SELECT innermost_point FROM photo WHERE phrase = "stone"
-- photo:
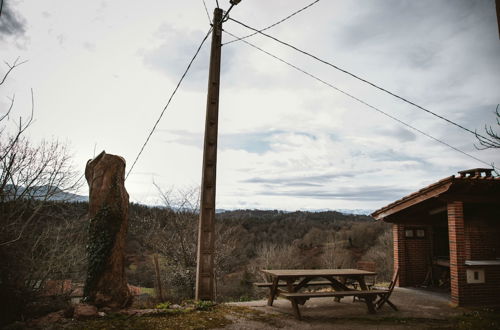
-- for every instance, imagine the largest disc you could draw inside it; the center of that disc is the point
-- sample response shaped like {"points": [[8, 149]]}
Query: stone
{"points": [[106, 284], [84, 311], [48, 319]]}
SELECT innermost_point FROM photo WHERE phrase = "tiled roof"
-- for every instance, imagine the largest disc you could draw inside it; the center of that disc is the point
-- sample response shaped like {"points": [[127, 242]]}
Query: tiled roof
{"points": [[473, 175]]}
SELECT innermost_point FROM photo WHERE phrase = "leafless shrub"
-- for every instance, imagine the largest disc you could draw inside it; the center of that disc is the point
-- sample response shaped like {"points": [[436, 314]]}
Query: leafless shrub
{"points": [[37, 241], [335, 252], [382, 254]]}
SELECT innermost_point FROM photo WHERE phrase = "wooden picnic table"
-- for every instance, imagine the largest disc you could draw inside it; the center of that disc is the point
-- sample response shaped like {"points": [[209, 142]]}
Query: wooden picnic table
{"points": [[297, 279]]}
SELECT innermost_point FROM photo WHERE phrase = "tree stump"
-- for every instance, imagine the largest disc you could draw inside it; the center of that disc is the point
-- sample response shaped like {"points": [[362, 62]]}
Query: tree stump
{"points": [[106, 284]]}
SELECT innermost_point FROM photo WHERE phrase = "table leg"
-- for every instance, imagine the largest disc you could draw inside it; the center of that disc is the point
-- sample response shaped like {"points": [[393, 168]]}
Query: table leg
{"points": [[273, 290], [296, 310], [368, 299], [294, 301], [369, 304], [361, 281]]}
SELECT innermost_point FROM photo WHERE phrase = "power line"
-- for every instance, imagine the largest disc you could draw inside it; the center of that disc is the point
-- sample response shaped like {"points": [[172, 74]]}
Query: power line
{"points": [[361, 101], [206, 10], [273, 25], [169, 100], [361, 79]]}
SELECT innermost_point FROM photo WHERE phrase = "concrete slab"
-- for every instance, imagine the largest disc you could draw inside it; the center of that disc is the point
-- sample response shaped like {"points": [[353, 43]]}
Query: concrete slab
{"points": [[323, 313]]}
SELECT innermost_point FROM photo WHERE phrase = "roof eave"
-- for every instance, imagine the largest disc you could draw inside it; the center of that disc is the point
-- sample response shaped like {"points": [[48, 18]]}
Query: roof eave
{"points": [[424, 194]]}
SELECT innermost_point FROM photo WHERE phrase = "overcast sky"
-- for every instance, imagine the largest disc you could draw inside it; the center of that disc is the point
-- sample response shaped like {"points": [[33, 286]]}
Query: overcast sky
{"points": [[102, 71]]}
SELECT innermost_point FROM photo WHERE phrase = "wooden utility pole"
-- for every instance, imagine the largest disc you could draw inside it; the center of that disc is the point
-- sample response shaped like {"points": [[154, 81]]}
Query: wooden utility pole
{"points": [[206, 226], [497, 5]]}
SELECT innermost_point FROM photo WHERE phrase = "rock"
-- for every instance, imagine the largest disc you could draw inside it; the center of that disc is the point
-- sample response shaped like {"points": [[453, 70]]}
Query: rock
{"points": [[142, 312], [48, 319], [84, 311], [106, 284], [69, 312], [105, 310]]}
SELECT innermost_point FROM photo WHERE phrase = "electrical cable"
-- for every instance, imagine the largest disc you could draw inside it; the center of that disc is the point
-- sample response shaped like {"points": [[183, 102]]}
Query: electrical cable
{"points": [[169, 100], [362, 79], [206, 10], [361, 101], [273, 25]]}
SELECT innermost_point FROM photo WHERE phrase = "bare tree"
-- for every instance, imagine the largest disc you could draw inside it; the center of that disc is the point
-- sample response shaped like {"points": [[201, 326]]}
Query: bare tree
{"points": [[274, 256], [381, 254], [29, 173], [335, 254], [173, 236], [493, 139], [38, 240]]}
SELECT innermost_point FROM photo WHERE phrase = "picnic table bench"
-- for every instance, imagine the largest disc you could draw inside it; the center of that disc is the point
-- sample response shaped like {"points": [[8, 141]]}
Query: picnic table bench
{"points": [[296, 279]]}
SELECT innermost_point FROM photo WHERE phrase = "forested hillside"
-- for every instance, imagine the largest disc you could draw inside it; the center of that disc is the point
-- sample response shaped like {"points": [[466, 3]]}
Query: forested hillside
{"points": [[52, 246]]}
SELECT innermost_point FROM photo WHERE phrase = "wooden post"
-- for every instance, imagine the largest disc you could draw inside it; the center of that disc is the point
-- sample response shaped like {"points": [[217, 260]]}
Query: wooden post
{"points": [[159, 294], [497, 4], [206, 225]]}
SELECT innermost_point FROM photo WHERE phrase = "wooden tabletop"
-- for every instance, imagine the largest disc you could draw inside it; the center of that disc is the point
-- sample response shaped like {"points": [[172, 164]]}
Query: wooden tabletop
{"points": [[316, 272]]}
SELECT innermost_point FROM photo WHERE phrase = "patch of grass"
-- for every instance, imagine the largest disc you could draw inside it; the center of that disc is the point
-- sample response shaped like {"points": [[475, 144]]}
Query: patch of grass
{"points": [[192, 319], [149, 291], [255, 315], [483, 319], [203, 305], [163, 305]]}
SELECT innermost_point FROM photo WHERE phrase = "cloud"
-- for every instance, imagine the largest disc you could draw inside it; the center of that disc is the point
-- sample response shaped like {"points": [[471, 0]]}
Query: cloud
{"points": [[177, 48], [402, 134], [252, 142], [304, 180], [367, 193], [90, 46], [11, 24]]}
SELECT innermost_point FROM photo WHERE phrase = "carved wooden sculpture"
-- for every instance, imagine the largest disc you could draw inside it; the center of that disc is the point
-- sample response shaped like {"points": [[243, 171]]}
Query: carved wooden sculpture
{"points": [[106, 284]]}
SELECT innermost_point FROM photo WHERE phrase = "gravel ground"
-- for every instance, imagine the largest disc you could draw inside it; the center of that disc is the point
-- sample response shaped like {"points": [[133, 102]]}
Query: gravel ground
{"points": [[417, 310]]}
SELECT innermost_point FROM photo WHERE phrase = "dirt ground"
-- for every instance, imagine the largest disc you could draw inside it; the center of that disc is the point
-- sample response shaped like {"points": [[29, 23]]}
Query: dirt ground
{"points": [[417, 310]]}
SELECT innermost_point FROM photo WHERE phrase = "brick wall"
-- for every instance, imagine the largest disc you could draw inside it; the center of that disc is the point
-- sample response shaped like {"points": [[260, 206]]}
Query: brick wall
{"points": [[411, 254], [456, 232], [399, 253], [482, 239], [473, 238], [487, 293]]}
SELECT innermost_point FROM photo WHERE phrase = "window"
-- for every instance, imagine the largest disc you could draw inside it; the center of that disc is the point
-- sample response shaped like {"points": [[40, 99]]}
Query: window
{"points": [[409, 233], [415, 233]]}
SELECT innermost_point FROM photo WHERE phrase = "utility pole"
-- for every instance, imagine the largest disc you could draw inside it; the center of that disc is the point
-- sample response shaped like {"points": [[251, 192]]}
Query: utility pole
{"points": [[497, 5], [206, 225]]}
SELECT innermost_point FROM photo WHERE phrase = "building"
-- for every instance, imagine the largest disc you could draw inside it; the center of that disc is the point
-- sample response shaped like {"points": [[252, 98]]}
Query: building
{"points": [[448, 234]]}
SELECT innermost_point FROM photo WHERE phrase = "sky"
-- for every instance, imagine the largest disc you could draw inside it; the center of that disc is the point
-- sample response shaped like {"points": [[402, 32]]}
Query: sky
{"points": [[102, 71]]}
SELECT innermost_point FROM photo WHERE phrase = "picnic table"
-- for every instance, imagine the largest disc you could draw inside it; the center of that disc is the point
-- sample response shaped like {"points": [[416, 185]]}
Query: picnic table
{"points": [[296, 279]]}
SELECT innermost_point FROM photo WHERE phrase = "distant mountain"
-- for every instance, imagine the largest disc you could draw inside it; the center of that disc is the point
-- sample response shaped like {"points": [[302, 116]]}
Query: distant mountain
{"points": [[343, 211], [41, 192], [355, 211]]}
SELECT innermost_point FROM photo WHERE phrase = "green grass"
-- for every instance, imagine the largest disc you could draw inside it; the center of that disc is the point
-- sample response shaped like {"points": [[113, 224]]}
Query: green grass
{"points": [[481, 319], [150, 291]]}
